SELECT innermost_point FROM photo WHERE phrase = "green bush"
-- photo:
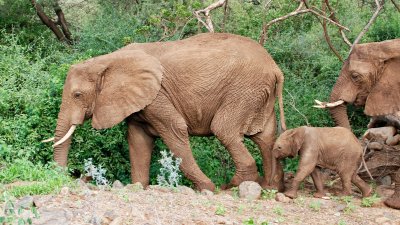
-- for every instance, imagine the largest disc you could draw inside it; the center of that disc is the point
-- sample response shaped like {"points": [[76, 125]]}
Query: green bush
{"points": [[33, 66]]}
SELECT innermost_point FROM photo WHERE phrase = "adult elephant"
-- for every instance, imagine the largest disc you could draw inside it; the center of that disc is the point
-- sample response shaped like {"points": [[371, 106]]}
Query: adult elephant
{"points": [[220, 84], [370, 77]]}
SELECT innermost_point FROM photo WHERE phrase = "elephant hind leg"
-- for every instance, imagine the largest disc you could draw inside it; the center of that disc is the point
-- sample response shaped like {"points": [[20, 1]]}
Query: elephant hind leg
{"points": [[230, 136], [365, 189], [140, 149], [265, 141]]}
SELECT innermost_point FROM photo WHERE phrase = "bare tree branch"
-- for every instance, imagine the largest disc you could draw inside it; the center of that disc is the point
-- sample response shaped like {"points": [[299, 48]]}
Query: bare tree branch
{"points": [[298, 11], [333, 17], [395, 5], [206, 13], [379, 7], [225, 16], [63, 35], [326, 34]]}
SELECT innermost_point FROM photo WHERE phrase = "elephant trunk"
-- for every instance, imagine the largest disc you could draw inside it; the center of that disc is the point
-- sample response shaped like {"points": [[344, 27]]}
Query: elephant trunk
{"points": [[66, 124], [339, 113], [273, 171]]}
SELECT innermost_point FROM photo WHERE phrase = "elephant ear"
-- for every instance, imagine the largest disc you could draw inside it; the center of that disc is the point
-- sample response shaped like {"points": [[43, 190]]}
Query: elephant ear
{"points": [[297, 140], [130, 82], [384, 97], [383, 50]]}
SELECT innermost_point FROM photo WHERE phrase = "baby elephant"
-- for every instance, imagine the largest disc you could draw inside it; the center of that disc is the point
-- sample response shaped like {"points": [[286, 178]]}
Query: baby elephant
{"points": [[334, 148]]}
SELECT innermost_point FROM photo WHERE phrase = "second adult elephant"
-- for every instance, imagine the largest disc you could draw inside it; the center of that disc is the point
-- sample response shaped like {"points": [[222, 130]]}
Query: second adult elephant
{"points": [[219, 84]]}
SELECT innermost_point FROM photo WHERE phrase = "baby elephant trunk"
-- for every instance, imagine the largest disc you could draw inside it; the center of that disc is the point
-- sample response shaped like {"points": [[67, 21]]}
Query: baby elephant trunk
{"points": [[273, 171]]}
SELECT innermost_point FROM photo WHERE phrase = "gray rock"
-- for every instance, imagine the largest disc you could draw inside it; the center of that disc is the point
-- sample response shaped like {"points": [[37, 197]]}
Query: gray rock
{"points": [[134, 187], [381, 220], [25, 203], [207, 192], [250, 190], [53, 216], [375, 146], [186, 190], [386, 180], [340, 208], [380, 133], [393, 140], [64, 191], [117, 184], [92, 187], [95, 220], [280, 197]]}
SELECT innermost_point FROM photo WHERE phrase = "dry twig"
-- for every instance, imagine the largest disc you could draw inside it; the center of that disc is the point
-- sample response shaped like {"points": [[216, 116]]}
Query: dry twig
{"points": [[379, 7], [298, 11], [206, 13], [293, 104], [395, 5]]}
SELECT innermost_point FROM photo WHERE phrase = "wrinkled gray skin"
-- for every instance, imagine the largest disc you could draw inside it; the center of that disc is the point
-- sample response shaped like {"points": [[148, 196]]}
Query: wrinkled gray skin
{"points": [[209, 84], [334, 148]]}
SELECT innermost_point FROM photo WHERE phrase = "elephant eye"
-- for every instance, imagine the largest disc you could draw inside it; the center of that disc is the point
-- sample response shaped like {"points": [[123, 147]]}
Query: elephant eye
{"points": [[279, 147], [77, 94], [355, 76]]}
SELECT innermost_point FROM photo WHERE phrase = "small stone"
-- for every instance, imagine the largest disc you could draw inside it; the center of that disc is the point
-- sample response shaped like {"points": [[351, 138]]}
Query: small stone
{"points": [[108, 217], [375, 146], [207, 192], [53, 216], [159, 188], [340, 208], [104, 187], [117, 184], [117, 221], [81, 184], [64, 191], [386, 180], [250, 190], [381, 220], [336, 214], [95, 220], [134, 187], [380, 133], [280, 197], [92, 187], [40, 201], [393, 140], [186, 190], [25, 202]]}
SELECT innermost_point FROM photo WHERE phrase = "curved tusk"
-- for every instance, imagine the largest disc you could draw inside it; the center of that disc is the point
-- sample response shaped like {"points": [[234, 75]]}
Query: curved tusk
{"points": [[69, 133], [48, 140], [322, 105]]}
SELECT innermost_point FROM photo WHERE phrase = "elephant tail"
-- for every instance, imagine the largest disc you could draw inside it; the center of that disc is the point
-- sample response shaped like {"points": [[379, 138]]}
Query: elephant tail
{"points": [[279, 90]]}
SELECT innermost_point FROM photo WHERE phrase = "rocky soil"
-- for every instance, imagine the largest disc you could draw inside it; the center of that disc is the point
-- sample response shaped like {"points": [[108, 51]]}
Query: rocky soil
{"points": [[88, 204]]}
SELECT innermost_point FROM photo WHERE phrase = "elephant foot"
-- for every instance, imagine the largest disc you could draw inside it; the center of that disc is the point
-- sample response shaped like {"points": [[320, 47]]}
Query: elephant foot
{"points": [[206, 185], [291, 194], [319, 194], [393, 201], [277, 185], [367, 192], [238, 178]]}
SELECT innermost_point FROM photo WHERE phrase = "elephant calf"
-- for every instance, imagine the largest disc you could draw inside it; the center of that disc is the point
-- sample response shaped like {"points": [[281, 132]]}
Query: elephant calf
{"points": [[334, 148]]}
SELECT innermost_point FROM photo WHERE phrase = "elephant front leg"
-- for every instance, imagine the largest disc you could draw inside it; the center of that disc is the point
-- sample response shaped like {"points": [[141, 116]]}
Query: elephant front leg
{"points": [[140, 149], [394, 200], [306, 167]]}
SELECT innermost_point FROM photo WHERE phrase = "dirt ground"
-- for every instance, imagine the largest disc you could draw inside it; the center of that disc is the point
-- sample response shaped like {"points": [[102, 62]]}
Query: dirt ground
{"points": [[158, 205]]}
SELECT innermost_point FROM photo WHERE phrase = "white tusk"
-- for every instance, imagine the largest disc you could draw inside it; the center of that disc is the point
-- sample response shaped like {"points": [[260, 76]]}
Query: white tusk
{"points": [[48, 140], [322, 105], [69, 133]]}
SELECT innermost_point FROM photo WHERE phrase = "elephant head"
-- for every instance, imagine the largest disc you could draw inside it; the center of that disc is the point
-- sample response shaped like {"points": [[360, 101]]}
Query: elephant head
{"points": [[107, 89], [370, 76], [287, 145]]}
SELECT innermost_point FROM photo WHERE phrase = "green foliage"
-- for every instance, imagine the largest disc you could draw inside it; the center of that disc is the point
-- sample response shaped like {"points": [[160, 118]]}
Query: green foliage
{"points": [[33, 67], [32, 179], [220, 211], [13, 215], [370, 201], [315, 206], [268, 194]]}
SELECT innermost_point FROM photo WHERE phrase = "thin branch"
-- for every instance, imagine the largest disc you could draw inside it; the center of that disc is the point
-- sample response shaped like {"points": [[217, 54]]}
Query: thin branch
{"points": [[293, 104], [225, 16], [379, 7], [333, 17], [395, 5], [298, 11], [206, 13]]}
